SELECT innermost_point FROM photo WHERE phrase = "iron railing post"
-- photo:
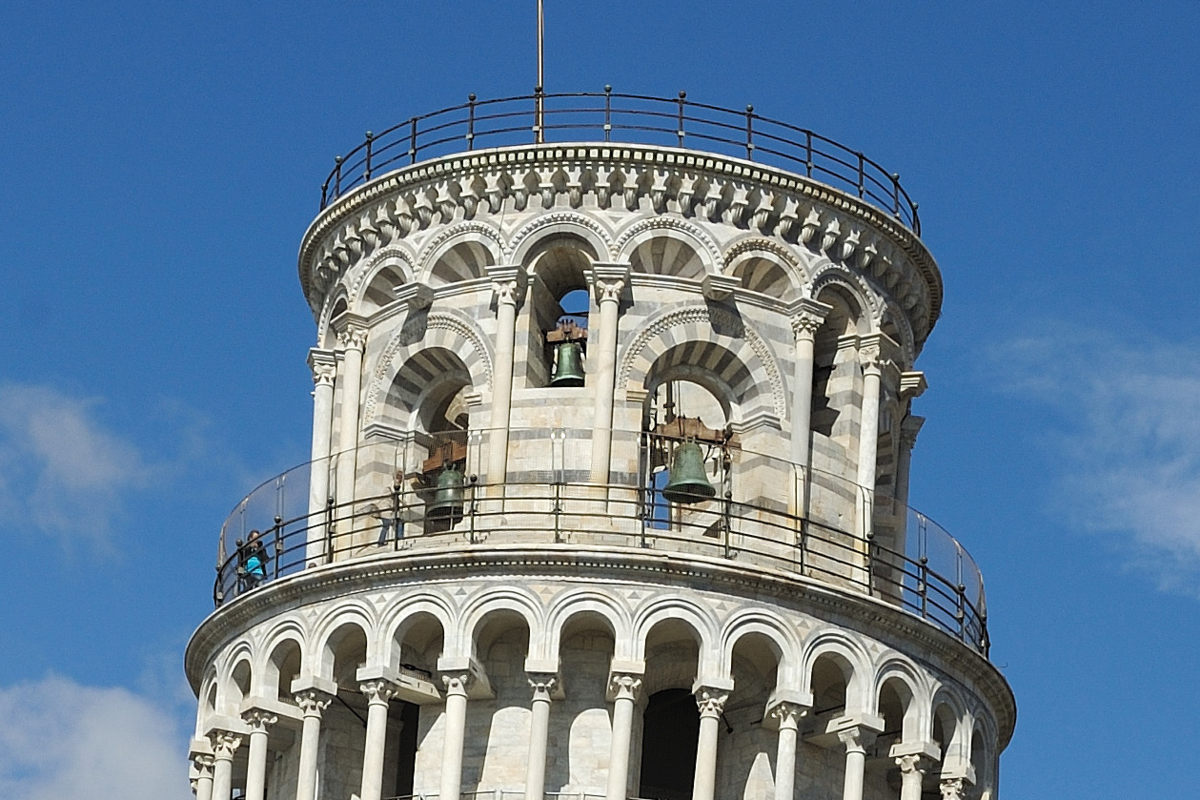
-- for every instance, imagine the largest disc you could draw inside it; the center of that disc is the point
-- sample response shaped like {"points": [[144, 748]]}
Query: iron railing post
{"points": [[412, 140], [367, 171], [471, 121], [679, 129], [750, 133], [337, 182], [277, 545], [923, 585], [607, 112], [896, 194], [329, 531], [861, 185], [539, 134], [808, 155]]}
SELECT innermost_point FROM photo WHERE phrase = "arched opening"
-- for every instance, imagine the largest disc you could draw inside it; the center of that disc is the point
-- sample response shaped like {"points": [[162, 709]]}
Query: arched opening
{"points": [[670, 720], [747, 769], [416, 647], [463, 262], [830, 682], [580, 728], [381, 291], [979, 766], [239, 687], [556, 326], [760, 274], [835, 367], [945, 728], [344, 720], [666, 255], [282, 668], [670, 730], [501, 644]]}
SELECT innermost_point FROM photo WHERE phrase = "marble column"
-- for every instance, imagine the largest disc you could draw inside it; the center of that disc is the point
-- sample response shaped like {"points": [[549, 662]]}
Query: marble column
{"points": [[224, 745], [788, 716], [379, 693], [204, 776], [856, 739], [608, 281], [353, 339], [912, 775], [324, 369], [508, 284], [256, 763], [312, 703], [711, 702], [624, 690], [951, 788], [806, 321], [455, 731], [539, 733]]}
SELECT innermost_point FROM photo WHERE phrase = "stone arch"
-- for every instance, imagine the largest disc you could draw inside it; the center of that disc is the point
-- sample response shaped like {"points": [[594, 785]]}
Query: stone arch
{"points": [[336, 302], [378, 276], [766, 267], [774, 628], [459, 252], [587, 601], [828, 274], [448, 331], [328, 635], [241, 682], [488, 602], [560, 223], [895, 324], [751, 372], [948, 713], [278, 662], [853, 657], [208, 705], [399, 617], [229, 692], [666, 239], [914, 696], [695, 616]]}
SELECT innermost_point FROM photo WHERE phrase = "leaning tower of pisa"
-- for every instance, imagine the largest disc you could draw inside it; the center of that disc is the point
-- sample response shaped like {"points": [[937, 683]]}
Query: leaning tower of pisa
{"points": [[612, 426]]}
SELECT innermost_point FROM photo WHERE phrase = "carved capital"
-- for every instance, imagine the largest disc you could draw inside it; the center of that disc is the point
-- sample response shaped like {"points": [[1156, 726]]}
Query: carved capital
{"points": [[508, 283], [457, 683], [711, 701], [608, 281], [352, 337], [224, 744], [324, 366], [805, 325], [624, 686], [313, 702], [856, 738], [378, 691], [259, 719], [951, 788], [870, 359], [914, 762], [204, 765], [786, 714], [542, 684]]}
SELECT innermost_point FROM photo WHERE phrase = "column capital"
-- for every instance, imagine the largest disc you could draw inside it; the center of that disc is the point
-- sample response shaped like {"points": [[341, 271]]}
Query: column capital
{"points": [[608, 280], [912, 384], [259, 719], [785, 714], [951, 788], [914, 762], [458, 683], [806, 316], [378, 690], [313, 702], [508, 283], [624, 686], [204, 763], [224, 744], [857, 738], [352, 336], [711, 700], [323, 364], [543, 684]]}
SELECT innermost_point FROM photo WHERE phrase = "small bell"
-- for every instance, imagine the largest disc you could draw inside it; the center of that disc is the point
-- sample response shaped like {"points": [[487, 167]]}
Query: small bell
{"points": [[687, 481], [448, 497], [568, 367]]}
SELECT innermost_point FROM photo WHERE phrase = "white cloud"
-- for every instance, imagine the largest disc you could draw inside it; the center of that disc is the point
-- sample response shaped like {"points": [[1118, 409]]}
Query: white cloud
{"points": [[61, 471], [1130, 439], [62, 740]]}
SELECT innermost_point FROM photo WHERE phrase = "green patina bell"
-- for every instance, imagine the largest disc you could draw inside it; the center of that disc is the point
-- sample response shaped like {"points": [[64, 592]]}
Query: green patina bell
{"points": [[568, 367], [688, 481], [448, 497]]}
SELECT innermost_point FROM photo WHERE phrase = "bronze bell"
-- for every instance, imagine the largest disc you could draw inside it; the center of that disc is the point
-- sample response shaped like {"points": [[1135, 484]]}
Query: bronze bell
{"points": [[687, 481], [568, 367], [448, 497]]}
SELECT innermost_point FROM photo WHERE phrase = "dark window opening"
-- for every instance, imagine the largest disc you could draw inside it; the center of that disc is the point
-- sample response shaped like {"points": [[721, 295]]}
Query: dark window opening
{"points": [[671, 728]]}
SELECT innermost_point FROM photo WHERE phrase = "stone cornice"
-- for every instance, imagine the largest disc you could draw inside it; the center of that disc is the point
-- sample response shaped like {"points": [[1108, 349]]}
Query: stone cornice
{"points": [[878, 619], [787, 205]]}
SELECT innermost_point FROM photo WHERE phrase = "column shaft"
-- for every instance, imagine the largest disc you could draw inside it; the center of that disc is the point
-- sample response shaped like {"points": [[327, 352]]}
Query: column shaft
{"points": [[204, 778], [502, 376], [324, 369], [711, 703], [456, 726], [802, 393], [224, 745], [785, 759], [868, 446], [353, 340], [539, 732], [312, 703], [256, 762], [856, 740], [604, 356], [626, 688], [378, 693]]}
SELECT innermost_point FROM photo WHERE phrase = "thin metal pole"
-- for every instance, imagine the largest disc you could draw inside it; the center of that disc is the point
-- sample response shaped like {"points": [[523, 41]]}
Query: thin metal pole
{"points": [[541, 36]]}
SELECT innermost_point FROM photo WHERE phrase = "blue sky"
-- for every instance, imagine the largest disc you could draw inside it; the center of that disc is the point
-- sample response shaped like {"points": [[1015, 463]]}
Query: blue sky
{"points": [[160, 161]]}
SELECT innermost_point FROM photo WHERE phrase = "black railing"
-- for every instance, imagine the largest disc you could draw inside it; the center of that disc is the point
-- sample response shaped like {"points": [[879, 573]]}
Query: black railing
{"points": [[626, 118], [555, 512]]}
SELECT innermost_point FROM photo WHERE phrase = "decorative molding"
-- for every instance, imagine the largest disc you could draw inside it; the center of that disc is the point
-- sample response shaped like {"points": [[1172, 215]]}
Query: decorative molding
{"points": [[691, 231], [527, 232]]}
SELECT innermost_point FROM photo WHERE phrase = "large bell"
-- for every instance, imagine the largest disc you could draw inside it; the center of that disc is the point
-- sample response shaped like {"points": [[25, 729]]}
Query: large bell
{"points": [[568, 367], [687, 481], [448, 497]]}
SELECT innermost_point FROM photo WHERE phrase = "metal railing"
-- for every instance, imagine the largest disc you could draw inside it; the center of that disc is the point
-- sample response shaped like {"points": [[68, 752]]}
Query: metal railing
{"points": [[626, 118], [901, 557]]}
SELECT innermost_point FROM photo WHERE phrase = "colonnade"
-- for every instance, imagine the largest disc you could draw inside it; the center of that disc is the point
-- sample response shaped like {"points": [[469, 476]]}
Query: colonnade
{"points": [[213, 773]]}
